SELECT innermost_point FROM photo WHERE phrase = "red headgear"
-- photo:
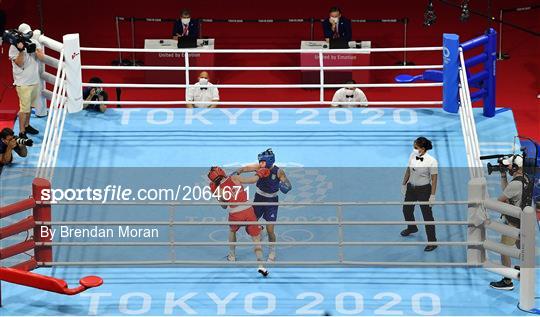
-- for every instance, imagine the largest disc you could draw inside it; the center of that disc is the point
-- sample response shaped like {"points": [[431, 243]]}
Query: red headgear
{"points": [[215, 172]]}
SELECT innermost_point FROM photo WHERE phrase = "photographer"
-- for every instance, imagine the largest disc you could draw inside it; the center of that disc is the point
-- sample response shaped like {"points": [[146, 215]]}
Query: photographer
{"points": [[8, 144], [95, 94], [25, 55], [514, 193]]}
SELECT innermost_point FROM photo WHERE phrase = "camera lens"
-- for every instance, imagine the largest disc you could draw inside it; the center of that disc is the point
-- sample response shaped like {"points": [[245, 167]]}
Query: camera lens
{"points": [[23, 141], [31, 48]]}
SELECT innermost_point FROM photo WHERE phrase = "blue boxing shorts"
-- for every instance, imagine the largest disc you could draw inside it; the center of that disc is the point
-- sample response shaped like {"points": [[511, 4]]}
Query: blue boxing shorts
{"points": [[269, 213]]}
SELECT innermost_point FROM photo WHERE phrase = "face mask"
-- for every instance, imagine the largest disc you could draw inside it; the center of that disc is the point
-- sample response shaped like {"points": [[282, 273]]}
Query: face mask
{"points": [[416, 152], [203, 81], [185, 20], [334, 19]]}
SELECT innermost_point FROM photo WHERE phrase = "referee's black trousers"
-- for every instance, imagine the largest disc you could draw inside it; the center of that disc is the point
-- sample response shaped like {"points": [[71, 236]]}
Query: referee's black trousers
{"points": [[419, 193]]}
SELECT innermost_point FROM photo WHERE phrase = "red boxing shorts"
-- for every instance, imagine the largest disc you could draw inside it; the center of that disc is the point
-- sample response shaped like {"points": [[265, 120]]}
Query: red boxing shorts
{"points": [[245, 215]]}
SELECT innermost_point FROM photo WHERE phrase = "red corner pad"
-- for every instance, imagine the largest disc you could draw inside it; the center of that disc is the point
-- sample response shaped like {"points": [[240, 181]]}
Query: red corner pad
{"points": [[47, 283]]}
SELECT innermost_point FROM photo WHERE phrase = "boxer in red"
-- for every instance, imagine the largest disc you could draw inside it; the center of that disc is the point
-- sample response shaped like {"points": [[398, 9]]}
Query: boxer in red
{"points": [[230, 189]]}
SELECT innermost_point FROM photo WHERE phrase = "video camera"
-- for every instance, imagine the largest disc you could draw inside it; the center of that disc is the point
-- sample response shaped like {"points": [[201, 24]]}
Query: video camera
{"points": [[15, 37], [528, 163], [499, 167]]}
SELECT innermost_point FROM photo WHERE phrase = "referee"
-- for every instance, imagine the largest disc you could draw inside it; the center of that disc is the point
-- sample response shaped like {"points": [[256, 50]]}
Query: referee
{"points": [[420, 184]]}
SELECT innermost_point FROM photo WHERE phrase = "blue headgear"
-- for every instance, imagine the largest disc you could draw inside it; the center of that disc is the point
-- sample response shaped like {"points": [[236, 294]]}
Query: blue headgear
{"points": [[267, 156]]}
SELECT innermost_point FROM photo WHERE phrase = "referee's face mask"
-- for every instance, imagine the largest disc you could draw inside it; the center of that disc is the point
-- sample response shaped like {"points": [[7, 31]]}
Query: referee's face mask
{"points": [[203, 78], [418, 150]]}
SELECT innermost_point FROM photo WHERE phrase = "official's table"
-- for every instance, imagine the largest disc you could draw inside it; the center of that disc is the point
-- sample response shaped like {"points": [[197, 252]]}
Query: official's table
{"points": [[175, 59], [334, 59]]}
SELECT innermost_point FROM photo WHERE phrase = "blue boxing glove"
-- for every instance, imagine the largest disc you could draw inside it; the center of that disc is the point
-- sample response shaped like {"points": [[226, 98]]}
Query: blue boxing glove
{"points": [[285, 187]]}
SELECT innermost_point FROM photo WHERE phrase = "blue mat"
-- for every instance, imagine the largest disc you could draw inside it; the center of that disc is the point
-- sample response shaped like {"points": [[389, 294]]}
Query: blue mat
{"points": [[329, 155]]}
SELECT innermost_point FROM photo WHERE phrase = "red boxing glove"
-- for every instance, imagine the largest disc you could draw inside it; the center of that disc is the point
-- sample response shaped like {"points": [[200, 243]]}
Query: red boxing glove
{"points": [[213, 187], [263, 172]]}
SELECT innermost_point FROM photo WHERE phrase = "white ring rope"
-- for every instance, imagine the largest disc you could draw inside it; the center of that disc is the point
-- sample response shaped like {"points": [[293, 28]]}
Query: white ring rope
{"points": [[264, 51], [59, 80], [251, 263], [264, 103], [387, 85], [470, 124], [242, 223], [321, 68], [225, 243], [246, 68], [284, 203]]}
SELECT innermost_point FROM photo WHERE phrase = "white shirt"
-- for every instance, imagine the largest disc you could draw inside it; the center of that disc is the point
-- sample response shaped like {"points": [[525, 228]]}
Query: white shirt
{"points": [[513, 191], [421, 170], [28, 74], [197, 92], [346, 95]]}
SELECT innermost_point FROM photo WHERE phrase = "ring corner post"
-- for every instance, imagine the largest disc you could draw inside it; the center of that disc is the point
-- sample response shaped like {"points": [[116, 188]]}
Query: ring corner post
{"points": [[450, 72], [527, 277], [476, 233], [41, 212], [73, 69], [490, 49]]}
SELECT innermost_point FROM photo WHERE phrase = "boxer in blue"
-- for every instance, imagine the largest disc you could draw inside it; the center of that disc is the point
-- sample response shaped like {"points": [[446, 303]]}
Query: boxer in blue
{"points": [[267, 191]]}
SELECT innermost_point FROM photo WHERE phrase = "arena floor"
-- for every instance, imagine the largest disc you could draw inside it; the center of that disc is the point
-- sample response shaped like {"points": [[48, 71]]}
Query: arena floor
{"points": [[329, 154]]}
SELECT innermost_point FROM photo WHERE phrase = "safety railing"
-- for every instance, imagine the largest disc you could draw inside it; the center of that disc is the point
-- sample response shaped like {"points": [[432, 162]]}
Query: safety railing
{"points": [[19, 273], [40, 212]]}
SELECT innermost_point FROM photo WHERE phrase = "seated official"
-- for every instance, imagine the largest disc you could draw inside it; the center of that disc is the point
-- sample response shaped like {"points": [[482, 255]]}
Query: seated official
{"points": [[186, 26], [349, 94], [337, 26], [203, 90], [9, 144], [95, 94]]}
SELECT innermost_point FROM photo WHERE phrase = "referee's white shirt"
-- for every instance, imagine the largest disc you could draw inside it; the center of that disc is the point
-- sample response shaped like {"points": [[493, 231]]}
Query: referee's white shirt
{"points": [[198, 92], [346, 95], [421, 170]]}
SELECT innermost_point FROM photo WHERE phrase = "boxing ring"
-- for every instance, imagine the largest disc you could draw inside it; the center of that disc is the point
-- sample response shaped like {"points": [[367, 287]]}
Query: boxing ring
{"points": [[337, 209]]}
